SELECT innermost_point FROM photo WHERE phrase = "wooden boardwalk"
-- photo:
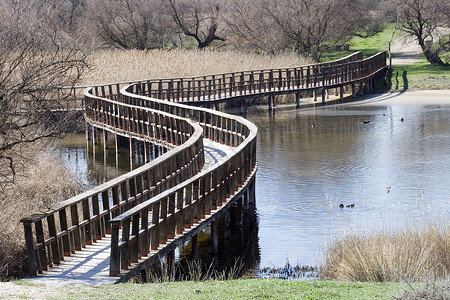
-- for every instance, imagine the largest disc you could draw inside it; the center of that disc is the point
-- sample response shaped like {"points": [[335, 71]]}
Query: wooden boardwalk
{"points": [[206, 163], [91, 265]]}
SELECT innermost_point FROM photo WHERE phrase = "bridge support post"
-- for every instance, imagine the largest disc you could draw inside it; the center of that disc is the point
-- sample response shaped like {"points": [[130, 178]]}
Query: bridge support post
{"points": [[88, 137], [324, 91], [298, 96], [239, 213], [194, 242], [226, 225], [341, 97], [131, 153], [214, 237], [170, 261], [353, 90], [252, 192], [361, 88], [243, 107], [94, 141], [271, 102], [146, 156], [116, 143], [315, 95], [105, 139]]}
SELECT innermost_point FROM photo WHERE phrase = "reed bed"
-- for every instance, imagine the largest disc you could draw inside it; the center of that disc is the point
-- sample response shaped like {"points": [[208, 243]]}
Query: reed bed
{"points": [[409, 255], [109, 66], [43, 181]]}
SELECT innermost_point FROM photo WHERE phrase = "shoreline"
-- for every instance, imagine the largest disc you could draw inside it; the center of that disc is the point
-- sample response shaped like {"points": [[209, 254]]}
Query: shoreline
{"points": [[409, 97]]}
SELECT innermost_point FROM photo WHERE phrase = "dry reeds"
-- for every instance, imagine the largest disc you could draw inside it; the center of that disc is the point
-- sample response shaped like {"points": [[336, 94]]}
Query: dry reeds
{"points": [[109, 66], [43, 181], [410, 255]]}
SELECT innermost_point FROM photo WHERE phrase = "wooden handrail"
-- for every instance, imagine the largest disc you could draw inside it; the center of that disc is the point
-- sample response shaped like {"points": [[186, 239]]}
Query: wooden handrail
{"points": [[88, 214]]}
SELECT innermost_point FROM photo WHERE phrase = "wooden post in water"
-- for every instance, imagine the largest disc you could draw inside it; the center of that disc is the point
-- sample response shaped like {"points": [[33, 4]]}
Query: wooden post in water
{"points": [[194, 242], [116, 143], [239, 212], [170, 260], [146, 156], [214, 237], [105, 139], [298, 95], [271, 102], [131, 153], [94, 142], [88, 137], [243, 107]]}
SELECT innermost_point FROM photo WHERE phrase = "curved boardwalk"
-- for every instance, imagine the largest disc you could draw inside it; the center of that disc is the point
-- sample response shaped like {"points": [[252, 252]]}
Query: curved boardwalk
{"points": [[207, 163]]}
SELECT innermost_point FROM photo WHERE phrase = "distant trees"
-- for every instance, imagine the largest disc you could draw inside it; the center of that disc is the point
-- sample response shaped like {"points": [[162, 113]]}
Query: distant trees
{"points": [[130, 24], [310, 27], [36, 61], [428, 21], [198, 19]]}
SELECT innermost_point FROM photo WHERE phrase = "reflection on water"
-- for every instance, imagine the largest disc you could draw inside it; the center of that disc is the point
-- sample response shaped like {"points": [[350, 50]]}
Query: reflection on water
{"points": [[390, 161]]}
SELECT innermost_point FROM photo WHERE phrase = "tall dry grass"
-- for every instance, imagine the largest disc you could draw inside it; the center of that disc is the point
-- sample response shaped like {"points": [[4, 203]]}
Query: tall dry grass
{"points": [[109, 66], [43, 181], [410, 255]]}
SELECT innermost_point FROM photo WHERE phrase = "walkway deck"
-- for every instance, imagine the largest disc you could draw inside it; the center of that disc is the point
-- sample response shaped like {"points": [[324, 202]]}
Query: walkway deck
{"points": [[91, 266]]}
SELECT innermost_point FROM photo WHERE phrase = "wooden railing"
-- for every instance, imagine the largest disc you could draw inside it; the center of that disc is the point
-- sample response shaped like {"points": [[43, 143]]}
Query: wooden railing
{"points": [[190, 202], [171, 187], [70, 225], [223, 87]]}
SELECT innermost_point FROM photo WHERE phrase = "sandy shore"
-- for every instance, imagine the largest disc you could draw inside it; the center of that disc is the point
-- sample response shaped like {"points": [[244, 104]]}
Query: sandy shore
{"points": [[409, 97]]}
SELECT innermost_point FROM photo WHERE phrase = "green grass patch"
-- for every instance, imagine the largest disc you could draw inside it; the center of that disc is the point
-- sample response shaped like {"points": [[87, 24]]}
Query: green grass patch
{"points": [[420, 75], [238, 289], [369, 46], [374, 44]]}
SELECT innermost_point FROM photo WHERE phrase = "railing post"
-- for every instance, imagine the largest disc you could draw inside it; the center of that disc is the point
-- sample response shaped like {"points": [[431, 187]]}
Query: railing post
{"points": [[114, 266], [32, 264]]}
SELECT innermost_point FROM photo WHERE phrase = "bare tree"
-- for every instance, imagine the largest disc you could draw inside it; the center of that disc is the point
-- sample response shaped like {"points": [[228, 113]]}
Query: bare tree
{"points": [[310, 27], [251, 27], [130, 24], [198, 19], [427, 21], [35, 63]]}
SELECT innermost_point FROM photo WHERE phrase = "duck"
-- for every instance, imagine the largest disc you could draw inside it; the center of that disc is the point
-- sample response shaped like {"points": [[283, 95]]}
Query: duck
{"points": [[366, 122], [347, 205]]}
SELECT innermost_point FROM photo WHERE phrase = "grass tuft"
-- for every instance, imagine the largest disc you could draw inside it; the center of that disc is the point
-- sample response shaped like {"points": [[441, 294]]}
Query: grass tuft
{"points": [[412, 255]]}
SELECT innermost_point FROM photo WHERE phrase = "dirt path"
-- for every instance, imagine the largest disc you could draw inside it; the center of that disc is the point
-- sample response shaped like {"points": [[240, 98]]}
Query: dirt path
{"points": [[405, 50]]}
